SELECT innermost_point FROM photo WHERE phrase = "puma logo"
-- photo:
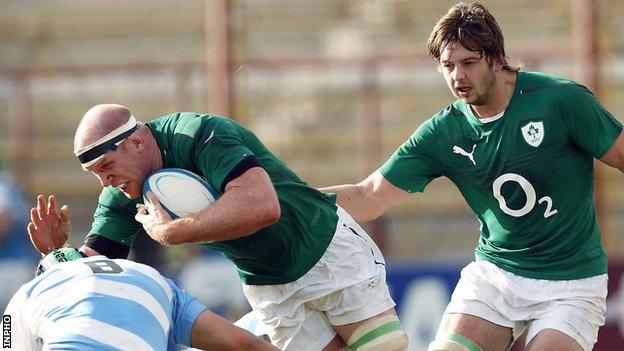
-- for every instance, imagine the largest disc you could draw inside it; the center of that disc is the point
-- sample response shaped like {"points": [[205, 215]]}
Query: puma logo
{"points": [[470, 155]]}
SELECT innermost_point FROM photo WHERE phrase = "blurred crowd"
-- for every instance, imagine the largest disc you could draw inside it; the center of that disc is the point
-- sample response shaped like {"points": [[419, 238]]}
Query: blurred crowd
{"points": [[17, 257]]}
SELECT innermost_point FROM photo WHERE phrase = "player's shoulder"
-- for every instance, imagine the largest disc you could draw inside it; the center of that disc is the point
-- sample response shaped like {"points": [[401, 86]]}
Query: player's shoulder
{"points": [[56, 275], [530, 82], [140, 271], [19, 300], [438, 125], [189, 123], [450, 115], [128, 264], [24, 289]]}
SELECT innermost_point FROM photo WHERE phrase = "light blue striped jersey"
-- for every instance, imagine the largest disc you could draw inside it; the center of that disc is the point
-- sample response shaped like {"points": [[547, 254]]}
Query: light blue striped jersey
{"points": [[96, 303]]}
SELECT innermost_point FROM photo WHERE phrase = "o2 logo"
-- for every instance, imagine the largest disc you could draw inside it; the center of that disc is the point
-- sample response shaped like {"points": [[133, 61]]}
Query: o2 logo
{"points": [[529, 191]]}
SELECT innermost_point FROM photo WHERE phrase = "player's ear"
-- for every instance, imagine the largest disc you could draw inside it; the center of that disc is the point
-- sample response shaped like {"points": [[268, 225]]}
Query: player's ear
{"points": [[498, 64], [136, 141]]}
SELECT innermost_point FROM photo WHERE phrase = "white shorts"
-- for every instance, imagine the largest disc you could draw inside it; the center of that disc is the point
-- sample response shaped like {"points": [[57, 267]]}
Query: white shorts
{"points": [[574, 307], [347, 285]]}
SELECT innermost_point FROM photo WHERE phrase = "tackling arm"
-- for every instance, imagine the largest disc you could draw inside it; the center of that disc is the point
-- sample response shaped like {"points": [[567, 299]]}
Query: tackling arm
{"points": [[368, 199], [197, 326], [212, 332]]}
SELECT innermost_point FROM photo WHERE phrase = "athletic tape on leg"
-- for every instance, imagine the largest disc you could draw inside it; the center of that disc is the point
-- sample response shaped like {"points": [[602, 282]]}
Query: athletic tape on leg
{"points": [[382, 333], [453, 342]]}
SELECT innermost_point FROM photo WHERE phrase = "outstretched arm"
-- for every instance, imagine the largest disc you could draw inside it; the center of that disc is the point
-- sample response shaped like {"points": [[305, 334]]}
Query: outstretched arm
{"points": [[212, 332], [369, 198]]}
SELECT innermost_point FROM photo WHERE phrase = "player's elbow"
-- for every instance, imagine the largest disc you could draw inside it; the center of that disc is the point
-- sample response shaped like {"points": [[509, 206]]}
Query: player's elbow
{"points": [[269, 213]]}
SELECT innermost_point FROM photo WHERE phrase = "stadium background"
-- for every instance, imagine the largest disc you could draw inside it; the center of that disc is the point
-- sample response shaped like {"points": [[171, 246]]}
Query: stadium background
{"points": [[331, 86]]}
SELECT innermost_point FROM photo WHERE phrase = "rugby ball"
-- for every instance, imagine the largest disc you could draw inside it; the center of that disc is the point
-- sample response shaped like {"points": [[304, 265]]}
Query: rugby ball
{"points": [[180, 192]]}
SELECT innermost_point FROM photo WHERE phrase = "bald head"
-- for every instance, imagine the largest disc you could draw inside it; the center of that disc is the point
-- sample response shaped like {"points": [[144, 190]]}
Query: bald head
{"points": [[98, 122]]}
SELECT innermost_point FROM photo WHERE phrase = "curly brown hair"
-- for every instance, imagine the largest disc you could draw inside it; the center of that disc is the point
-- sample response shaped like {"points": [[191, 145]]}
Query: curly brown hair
{"points": [[474, 27]]}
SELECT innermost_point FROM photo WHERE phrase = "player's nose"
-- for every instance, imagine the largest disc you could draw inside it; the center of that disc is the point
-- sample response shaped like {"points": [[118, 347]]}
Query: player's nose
{"points": [[457, 74], [105, 179]]}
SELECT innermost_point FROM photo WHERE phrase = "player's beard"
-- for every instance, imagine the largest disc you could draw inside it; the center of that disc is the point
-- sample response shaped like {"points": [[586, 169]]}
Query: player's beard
{"points": [[489, 81]]}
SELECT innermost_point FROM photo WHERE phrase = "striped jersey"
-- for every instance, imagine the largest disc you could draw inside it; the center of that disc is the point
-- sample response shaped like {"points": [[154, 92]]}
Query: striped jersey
{"points": [[96, 303]]}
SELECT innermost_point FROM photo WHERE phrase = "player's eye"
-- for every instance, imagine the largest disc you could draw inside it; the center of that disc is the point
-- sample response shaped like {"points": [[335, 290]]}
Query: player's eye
{"points": [[106, 166]]}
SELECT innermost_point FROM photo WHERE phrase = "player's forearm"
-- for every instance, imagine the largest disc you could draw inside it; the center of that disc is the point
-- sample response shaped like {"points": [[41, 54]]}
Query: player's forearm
{"points": [[248, 204], [212, 332], [353, 200], [244, 341], [229, 218], [256, 344]]}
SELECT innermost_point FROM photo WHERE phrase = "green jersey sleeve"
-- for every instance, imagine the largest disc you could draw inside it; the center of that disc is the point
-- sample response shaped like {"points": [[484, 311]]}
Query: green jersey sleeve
{"points": [[220, 154], [588, 123], [413, 165], [114, 220]]}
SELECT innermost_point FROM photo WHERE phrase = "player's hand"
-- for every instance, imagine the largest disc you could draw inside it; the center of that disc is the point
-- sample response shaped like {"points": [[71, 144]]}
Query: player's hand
{"points": [[48, 227], [154, 219]]}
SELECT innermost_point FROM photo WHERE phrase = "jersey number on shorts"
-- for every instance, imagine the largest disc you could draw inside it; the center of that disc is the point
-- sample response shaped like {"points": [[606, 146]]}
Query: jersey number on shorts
{"points": [[104, 266], [529, 191]]}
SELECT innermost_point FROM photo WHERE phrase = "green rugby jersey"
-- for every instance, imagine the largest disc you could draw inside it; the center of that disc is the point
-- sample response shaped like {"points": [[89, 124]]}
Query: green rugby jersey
{"points": [[214, 147], [528, 176]]}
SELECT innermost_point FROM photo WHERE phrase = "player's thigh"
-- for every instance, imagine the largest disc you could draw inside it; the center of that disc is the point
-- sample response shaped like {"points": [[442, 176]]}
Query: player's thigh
{"points": [[489, 336], [307, 329], [553, 340], [347, 285], [354, 285], [576, 314], [364, 307]]}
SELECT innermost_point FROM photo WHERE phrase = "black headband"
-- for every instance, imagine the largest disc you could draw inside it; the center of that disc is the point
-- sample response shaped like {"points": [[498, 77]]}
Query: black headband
{"points": [[101, 149]]}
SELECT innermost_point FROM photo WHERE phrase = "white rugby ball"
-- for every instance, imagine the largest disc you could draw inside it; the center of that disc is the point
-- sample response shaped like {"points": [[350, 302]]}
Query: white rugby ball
{"points": [[180, 192]]}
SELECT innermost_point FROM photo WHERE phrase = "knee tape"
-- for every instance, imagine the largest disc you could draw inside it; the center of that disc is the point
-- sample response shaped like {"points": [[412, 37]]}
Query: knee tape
{"points": [[453, 342], [382, 333]]}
